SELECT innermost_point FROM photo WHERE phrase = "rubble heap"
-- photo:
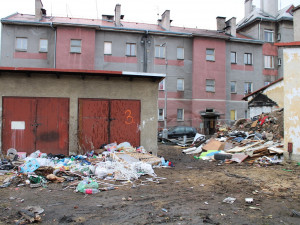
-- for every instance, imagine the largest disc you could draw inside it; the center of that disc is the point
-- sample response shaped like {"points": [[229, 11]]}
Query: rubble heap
{"points": [[253, 141]]}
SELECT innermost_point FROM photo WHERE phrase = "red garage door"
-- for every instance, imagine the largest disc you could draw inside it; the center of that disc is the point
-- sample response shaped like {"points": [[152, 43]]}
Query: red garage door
{"points": [[31, 124], [106, 121]]}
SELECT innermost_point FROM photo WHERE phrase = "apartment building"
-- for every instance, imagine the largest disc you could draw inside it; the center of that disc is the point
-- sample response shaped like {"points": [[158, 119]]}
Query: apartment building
{"points": [[208, 72]]}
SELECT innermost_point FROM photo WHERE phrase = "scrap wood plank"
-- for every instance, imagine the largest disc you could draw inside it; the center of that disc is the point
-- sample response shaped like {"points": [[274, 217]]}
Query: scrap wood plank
{"points": [[241, 149]]}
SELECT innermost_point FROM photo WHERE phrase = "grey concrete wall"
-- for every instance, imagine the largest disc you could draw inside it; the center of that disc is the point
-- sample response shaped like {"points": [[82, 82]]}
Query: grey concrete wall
{"points": [[34, 34], [119, 41], [174, 72], [241, 76], [286, 31], [74, 87]]}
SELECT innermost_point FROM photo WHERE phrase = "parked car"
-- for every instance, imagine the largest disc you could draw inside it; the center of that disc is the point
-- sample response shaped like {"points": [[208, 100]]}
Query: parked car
{"points": [[179, 131]]}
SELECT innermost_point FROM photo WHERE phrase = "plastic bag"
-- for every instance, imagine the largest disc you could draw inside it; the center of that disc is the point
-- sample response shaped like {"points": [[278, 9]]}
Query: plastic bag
{"points": [[111, 147], [87, 184], [123, 145]]}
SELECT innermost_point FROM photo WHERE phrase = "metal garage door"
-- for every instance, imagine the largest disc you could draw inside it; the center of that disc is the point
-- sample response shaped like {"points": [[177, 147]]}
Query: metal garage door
{"points": [[104, 121], [31, 124]]}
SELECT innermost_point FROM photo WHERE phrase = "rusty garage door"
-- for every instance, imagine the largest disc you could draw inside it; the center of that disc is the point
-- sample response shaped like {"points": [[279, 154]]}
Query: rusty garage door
{"points": [[31, 124], [102, 121]]}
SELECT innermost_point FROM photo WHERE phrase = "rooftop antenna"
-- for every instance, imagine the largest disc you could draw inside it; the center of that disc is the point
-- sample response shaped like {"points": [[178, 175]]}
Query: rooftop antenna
{"points": [[51, 8], [280, 4], [67, 9], [97, 8]]}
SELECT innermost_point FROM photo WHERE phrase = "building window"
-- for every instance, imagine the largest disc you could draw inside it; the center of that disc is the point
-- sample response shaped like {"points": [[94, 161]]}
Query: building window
{"points": [[107, 48], [161, 85], [160, 51], [233, 86], [210, 85], [248, 58], [180, 53], [130, 49], [267, 83], [248, 87], [180, 84], [21, 44], [210, 54], [43, 45], [233, 57], [75, 46], [232, 114], [180, 115], [269, 36], [161, 114], [269, 62], [246, 114], [279, 61]]}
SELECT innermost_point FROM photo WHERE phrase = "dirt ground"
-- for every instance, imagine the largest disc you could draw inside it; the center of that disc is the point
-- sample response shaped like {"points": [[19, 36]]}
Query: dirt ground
{"points": [[192, 193]]}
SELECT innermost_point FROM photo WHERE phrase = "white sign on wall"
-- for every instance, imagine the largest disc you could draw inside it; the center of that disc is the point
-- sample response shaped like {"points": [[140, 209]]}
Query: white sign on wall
{"points": [[18, 125]]}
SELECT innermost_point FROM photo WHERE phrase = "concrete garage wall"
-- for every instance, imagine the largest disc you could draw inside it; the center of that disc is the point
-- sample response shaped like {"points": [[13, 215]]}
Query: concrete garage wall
{"points": [[74, 87]]}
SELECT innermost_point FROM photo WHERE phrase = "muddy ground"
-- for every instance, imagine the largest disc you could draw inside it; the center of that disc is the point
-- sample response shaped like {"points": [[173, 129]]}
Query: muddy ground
{"points": [[192, 193]]}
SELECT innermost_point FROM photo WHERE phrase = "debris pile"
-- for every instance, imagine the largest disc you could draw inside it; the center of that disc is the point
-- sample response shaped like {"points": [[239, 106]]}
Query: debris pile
{"points": [[266, 124], [255, 142], [99, 170]]}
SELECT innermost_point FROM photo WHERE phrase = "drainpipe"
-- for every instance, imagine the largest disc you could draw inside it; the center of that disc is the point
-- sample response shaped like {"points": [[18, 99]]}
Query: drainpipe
{"points": [[55, 34], [145, 41], [259, 29]]}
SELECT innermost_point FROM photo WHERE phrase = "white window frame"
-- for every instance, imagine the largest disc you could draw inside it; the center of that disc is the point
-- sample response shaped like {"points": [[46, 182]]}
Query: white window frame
{"points": [[180, 84], [233, 60], [107, 48], [210, 56], [180, 53], [279, 61], [269, 36], [269, 62], [161, 118], [21, 44], [246, 88], [212, 86], [160, 51], [248, 59], [182, 117], [161, 85], [130, 49], [232, 82], [75, 47], [43, 47]]}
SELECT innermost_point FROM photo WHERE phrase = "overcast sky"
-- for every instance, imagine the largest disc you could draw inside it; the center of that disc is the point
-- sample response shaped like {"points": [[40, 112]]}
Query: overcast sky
{"points": [[187, 13]]}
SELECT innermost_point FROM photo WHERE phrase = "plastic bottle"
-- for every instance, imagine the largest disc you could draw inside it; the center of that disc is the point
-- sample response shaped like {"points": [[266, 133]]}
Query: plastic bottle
{"points": [[91, 191]]}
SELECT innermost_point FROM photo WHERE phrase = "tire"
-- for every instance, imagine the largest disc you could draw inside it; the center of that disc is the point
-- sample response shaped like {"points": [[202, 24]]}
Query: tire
{"points": [[220, 156]]}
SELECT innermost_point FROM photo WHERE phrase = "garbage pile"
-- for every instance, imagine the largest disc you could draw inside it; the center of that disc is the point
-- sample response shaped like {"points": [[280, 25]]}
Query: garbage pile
{"points": [[99, 170], [255, 142]]}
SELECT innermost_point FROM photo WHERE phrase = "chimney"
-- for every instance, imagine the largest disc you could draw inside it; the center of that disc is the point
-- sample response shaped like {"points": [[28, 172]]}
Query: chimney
{"points": [[118, 15], [221, 23], [248, 7], [165, 21], [39, 11], [270, 7], [296, 23], [231, 26]]}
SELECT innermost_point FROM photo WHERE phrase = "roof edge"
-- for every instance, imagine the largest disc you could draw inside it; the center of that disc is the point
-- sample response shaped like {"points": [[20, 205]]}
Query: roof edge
{"points": [[261, 89]]}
